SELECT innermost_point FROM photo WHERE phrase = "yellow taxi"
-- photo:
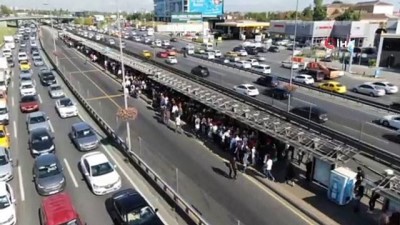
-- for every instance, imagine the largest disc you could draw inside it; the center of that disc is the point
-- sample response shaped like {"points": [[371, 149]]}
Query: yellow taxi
{"points": [[146, 53], [24, 65], [232, 54], [333, 86], [4, 137]]}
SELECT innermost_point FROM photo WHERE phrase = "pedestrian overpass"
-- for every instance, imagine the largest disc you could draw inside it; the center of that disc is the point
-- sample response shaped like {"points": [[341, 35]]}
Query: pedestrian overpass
{"points": [[14, 20]]}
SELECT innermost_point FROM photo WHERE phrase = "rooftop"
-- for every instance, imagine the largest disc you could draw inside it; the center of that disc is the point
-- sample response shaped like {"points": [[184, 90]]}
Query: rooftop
{"points": [[376, 2]]}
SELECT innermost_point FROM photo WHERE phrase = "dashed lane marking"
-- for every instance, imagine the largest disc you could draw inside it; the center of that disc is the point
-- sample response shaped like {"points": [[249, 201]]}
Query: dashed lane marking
{"points": [[71, 173], [51, 126], [12, 101], [104, 97], [15, 129], [21, 184], [40, 99]]}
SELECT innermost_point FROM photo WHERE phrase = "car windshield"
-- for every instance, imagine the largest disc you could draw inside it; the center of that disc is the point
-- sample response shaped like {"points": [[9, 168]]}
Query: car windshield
{"points": [[55, 88], [37, 119], [3, 111], [4, 202], [101, 169], [2, 134], [66, 102], [3, 160], [28, 99], [26, 86], [140, 215], [49, 77], [2, 83], [40, 138], [48, 170], [37, 60], [390, 85], [84, 133], [338, 85], [72, 222], [251, 88]]}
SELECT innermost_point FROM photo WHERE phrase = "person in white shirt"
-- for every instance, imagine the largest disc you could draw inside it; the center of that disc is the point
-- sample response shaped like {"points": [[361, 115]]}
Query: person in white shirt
{"points": [[246, 160], [178, 124], [253, 155], [268, 167]]}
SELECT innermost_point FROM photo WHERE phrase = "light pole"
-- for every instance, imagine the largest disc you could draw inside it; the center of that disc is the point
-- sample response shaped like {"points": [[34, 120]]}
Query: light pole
{"points": [[121, 53], [293, 55], [54, 39]]}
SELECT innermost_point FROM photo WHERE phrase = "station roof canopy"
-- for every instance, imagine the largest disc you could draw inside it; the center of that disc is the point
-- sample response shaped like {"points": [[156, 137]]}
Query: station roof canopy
{"points": [[243, 23]]}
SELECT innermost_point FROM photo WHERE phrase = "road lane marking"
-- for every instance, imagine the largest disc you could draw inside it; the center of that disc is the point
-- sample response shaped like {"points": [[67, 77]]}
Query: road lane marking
{"points": [[12, 101], [70, 173], [12, 84], [51, 126], [21, 184], [83, 71], [40, 99], [104, 97], [94, 83], [15, 128]]}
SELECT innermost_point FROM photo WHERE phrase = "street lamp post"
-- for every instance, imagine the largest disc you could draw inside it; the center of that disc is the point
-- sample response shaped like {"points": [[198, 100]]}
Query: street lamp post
{"points": [[293, 53], [54, 39]]}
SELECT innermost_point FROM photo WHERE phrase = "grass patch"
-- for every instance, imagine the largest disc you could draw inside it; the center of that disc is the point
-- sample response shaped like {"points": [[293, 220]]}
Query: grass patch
{"points": [[4, 31]]}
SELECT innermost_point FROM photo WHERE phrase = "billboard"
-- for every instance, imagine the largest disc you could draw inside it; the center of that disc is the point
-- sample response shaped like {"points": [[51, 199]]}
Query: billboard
{"points": [[209, 8], [186, 17]]}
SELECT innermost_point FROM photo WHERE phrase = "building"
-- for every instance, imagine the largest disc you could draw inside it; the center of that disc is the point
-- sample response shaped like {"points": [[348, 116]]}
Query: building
{"points": [[389, 50], [235, 29], [336, 9], [99, 18], [375, 7], [335, 32], [81, 14], [208, 9]]}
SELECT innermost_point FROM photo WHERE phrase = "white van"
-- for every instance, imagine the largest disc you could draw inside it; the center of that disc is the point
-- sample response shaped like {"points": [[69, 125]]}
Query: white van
{"points": [[4, 117], [207, 46], [3, 83], [210, 55], [7, 52], [263, 68], [190, 49]]}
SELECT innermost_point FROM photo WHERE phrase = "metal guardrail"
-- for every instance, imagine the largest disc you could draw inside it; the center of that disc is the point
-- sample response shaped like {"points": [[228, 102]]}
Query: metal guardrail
{"points": [[391, 108], [153, 176], [379, 155]]}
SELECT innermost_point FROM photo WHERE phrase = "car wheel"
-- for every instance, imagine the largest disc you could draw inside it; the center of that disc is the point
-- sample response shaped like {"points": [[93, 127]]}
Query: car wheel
{"points": [[386, 123], [355, 90], [372, 94]]}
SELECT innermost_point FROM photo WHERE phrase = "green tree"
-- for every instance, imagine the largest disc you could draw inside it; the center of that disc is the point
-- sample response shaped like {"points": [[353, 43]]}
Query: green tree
{"points": [[319, 12], [4, 10], [307, 13], [88, 21], [79, 21], [349, 15]]}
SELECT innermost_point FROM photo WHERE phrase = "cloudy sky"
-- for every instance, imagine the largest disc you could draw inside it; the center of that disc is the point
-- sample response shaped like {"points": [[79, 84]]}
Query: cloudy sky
{"points": [[139, 5]]}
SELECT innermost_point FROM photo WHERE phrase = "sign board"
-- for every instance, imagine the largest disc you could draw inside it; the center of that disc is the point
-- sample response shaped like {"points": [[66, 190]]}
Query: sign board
{"points": [[186, 17], [209, 8]]}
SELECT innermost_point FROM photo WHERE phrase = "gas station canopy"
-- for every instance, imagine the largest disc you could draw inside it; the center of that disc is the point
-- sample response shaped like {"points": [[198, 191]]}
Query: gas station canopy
{"points": [[243, 24]]}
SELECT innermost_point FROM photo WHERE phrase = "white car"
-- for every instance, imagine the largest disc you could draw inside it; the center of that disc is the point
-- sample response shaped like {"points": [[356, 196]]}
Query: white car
{"points": [[111, 41], [171, 60], [242, 52], [27, 88], [391, 121], [387, 86], [243, 64], [99, 173], [246, 89], [137, 38], [165, 42], [56, 91], [217, 53], [263, 68], [369, 89], [7, 52], [253, 62], [290, 64], [7, 205], [22, 56], [303, 78], [210, 55], [66, 108], [33, 44]]}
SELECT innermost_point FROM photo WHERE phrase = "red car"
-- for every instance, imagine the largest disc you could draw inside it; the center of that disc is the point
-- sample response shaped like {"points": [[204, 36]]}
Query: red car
{"points": [[171, 52], [163, 54], [29, 103], [58, 210]]}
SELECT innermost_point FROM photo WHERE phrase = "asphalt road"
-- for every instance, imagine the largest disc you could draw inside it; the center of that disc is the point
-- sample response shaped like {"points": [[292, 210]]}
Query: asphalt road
{"points": [[344, 116], [86, 203], [197, 174]]}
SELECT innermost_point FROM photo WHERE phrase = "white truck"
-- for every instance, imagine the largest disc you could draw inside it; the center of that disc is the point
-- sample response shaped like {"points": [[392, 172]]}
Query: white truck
{"points": [[5, 71], [9, 42]]}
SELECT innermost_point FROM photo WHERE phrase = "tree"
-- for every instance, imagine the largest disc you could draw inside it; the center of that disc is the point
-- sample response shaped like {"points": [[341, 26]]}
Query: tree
{"points": [[88, 21], [5, 10], [307, 13], [79, 21], [349, 15], [319, 12]]}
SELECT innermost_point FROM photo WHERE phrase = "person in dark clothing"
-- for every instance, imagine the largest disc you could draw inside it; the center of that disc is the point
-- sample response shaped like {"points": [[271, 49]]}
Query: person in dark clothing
{"points": [[358, 196], [290, 174], [232, 167], [309, 165], [374, 197], [359, 178], [390, 61]]}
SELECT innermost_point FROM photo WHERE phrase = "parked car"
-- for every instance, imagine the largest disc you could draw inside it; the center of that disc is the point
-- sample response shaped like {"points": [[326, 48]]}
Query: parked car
{"points": [[41, 142], [58, 209], [8, 204], [47, 77], [56, 91], [243, 64], [129, 207], [66, 108], [278, 93], [290, 64], [262, 68], [162, 54], [268, 81], [28, 103], [312, 113], [387, 86], [10, 62], [201, 71], [171, 60], [303, 78], [36, 120], [391, 121], [48, 175], [333, 86], [38, 62], [6, 168], [253, 62], [99, 173], [369, 89], [27, 88], [84, 137], [246, 89]]}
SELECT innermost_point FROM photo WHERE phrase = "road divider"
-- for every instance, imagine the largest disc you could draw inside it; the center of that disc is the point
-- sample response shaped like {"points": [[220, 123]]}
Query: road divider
{"points": [[21, 184], [155, 179]]}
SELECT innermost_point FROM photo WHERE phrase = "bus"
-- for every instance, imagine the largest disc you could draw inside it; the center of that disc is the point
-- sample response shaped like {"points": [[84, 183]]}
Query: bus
{"points": [[9, 42]]}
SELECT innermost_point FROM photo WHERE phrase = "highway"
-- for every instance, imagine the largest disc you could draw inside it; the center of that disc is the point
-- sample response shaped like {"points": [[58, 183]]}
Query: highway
{"points": [[186, 164], [344, 116], [90, 207]]}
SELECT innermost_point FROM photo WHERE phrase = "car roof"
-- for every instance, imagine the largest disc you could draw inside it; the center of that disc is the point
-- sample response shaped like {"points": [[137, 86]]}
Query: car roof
{"points": [[24, 82], [129, 199], [40, 131], [46, 159], [333, 82], [58, 208], [81, 126], [95, 158], [3, 190], [248, 85], [55, 85]]}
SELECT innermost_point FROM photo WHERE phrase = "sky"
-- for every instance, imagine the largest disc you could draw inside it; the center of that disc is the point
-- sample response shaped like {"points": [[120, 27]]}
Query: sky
{"points": [[141, 5]]}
